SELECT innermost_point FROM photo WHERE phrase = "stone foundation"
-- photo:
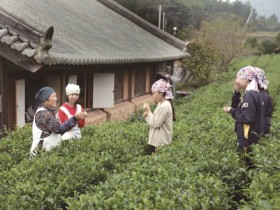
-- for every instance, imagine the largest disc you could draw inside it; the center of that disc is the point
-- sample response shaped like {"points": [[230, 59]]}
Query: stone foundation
{"points": [[139, 101], [121, 111], [96, 117]]}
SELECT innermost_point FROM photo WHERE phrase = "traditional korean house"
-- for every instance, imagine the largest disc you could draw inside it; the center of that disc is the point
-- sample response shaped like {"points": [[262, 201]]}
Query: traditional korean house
{"points": [[111, 53]]}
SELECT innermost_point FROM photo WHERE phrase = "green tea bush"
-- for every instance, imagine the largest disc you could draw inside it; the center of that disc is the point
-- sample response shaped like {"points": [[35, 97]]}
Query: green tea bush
{"points": [[15, 147], [155, 183], [75, 166]]}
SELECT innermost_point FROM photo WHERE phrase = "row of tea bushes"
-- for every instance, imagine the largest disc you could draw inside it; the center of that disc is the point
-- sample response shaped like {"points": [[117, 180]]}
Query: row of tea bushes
{"points": [[184, 175], [44, 181], [158, 182], [15, 147]]}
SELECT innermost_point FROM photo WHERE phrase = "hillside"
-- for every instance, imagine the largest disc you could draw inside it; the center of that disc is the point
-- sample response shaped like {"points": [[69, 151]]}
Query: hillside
{"points": [[109, 169]]}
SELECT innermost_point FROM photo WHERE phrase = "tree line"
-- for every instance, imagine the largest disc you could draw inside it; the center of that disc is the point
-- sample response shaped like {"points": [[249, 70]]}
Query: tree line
{"points": [[184, 13]]}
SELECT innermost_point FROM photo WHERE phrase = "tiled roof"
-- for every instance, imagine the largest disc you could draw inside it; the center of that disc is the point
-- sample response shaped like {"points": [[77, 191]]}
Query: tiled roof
{"points": [[84, 32]]}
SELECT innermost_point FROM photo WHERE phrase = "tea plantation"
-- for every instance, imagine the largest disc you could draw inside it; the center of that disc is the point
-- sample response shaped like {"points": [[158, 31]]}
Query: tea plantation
{"points": [[109, 167]]}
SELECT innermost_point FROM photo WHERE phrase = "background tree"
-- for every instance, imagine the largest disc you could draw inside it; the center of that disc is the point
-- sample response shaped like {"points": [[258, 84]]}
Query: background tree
{"points": [[227, 36], [272, 23], [200, 67], [277, 39]]}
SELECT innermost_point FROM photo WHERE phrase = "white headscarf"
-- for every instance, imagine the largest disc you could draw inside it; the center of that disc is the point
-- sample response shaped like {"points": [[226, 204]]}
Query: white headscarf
{"points": [[72, 88]]}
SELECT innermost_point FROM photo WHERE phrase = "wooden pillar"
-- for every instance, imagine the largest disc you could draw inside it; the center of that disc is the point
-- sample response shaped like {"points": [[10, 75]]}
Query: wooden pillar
{"points": [[148, 80], [1, 97], [133, 83], [126, 85]]}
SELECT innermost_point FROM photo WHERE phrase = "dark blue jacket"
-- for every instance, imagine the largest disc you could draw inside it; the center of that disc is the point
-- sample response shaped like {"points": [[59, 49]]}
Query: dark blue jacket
{"points": [[249, 111], [268, 110]]}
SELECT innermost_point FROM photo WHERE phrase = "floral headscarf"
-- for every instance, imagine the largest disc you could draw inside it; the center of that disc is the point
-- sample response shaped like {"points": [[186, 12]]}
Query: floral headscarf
{"points": [[163, 87], [255, 75], [263, 82]]}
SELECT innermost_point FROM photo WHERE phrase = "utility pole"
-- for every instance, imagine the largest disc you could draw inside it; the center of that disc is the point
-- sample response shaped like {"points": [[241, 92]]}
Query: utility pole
{"points": [[159, 16], [248, 19], [163, 21]]}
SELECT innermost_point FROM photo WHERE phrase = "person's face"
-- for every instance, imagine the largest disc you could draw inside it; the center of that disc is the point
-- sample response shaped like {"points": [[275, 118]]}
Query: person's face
{"points": [[241, 83], [51, 101], [157, 96], [73, 98]]}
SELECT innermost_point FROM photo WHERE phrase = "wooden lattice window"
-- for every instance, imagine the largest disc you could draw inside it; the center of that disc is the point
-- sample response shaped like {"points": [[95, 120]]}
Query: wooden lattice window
{"points": [[119, 85], [140, 82]]}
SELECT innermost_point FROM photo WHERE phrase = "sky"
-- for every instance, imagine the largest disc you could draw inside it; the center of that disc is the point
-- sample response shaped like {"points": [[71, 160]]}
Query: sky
{"points": [[265, 7]]}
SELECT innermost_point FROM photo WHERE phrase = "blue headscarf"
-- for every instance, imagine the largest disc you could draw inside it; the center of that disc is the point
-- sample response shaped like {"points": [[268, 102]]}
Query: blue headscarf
{"points": [[43, 94]]}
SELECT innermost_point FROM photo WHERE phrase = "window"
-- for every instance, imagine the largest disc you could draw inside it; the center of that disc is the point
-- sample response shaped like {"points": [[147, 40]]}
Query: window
{"points": [[140, 82], [119, 83]]}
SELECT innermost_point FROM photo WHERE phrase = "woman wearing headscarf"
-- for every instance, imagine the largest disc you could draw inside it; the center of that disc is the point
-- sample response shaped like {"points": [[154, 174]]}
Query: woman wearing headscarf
{"points": [[267, 101], [46, 128], [69, 109], [248, 114], [161, 121]]}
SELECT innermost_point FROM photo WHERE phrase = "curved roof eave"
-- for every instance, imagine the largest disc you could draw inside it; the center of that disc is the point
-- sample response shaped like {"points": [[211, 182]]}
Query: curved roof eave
{"points": [[56, 60]]}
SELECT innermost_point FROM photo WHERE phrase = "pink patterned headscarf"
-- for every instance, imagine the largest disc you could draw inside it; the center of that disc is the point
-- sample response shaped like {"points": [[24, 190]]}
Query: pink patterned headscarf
{"points": [[247, 72], [262, 81], [163, 87], [255, 75]]}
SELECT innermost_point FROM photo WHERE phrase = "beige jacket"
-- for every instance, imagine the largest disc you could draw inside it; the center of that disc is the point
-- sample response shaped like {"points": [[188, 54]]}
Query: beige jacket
{"points": [[161, 124]]}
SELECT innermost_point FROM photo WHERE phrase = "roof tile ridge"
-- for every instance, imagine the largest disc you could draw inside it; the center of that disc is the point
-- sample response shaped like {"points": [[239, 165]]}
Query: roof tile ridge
{"points": [[21, 27]]}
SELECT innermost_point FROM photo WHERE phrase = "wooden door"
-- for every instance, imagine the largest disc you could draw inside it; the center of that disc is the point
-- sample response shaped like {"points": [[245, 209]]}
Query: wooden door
{"points": [[54, 82], [103, 90], [11, 108], [20, 103]]}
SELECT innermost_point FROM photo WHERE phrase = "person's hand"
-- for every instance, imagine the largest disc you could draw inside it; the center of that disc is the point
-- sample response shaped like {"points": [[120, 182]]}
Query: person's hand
{"points": [[80, 115], [227, 109], [85, 114], [237, 86], [145, 114], [146, 107]]}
